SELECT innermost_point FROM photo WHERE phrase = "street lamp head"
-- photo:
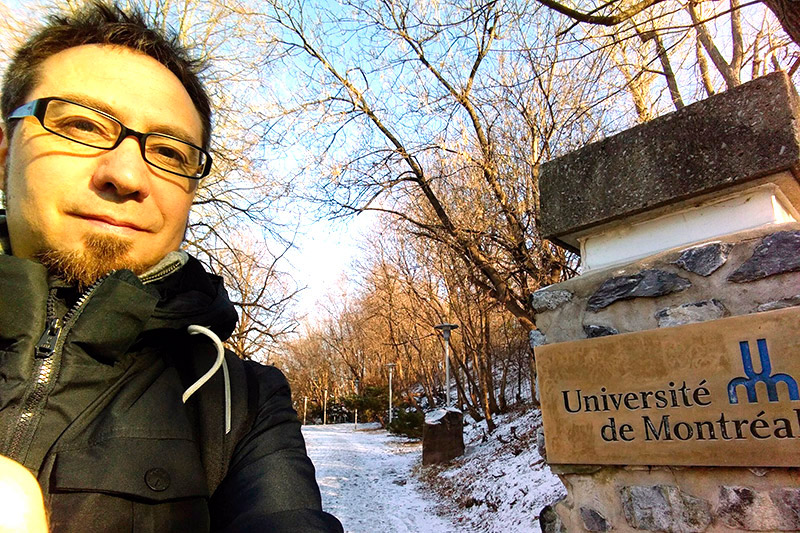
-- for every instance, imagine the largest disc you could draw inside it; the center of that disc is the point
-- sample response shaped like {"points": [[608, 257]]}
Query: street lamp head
{"points": [[446, 328]]}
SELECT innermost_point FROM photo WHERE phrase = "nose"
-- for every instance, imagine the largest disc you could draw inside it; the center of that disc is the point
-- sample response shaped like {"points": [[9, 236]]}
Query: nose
{"points": [[123, 172]]}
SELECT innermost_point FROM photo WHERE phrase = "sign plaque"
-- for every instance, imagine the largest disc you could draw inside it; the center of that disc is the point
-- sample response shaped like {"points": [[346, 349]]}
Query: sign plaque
{"points": [[717, 393]]}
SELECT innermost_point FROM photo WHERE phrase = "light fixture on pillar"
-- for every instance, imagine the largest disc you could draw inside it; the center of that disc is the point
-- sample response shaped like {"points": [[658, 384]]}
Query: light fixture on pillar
{"points": [[325, 409], [391, 368], [358, 399], [446, 328]]}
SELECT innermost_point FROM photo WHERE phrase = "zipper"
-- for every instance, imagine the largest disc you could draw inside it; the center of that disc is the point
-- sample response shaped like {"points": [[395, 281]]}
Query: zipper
{"points": [[47, 359], [161, 274], [47, 342]]}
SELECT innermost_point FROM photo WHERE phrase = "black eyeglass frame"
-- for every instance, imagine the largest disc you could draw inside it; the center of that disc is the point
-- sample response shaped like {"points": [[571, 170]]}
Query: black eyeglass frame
{"points": [[37, 108]]}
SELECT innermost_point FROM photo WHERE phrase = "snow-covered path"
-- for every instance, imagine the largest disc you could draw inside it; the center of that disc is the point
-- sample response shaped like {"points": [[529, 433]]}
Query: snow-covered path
{"points": [[366, 482]]}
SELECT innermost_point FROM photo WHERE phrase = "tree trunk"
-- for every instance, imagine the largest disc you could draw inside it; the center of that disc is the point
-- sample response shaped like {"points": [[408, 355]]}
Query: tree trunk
{"points": [[470, 397], [471, 409], [705, 75], [484, 390], [488, 365], [666, 66], [501, 392], [788, 14]]}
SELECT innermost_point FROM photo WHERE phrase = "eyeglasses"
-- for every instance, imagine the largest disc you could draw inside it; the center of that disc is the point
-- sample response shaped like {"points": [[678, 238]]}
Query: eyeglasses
{"points": [[96, 129]]}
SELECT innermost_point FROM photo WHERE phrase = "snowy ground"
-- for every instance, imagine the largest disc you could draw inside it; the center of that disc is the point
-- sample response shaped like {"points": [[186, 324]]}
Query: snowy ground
{"points": [[374, 482], [501, 483], [366, 482]]}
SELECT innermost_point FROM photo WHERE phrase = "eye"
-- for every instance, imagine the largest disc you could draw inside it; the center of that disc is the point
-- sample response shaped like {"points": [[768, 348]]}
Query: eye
{"points": [[82, 124], [169, 153], [172, 154], [83, 128]]}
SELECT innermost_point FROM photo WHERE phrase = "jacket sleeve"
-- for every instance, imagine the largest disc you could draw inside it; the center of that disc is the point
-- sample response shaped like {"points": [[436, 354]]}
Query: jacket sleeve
{"points": [[270, 484]]}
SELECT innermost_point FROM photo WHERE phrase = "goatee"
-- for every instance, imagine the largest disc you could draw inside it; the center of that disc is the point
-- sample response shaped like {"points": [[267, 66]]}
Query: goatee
{"points": [[100, 255]]}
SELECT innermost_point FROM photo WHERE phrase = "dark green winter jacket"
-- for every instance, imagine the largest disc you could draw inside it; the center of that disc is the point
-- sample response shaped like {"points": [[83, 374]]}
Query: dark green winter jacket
{"points": [[92, 405]]}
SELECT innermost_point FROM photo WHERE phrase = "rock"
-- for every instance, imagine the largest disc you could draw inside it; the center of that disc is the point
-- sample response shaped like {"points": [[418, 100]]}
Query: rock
{"points": [[735, 506], [645, 284], [536, 338], [468, 502], [746, 509], [787, 505], [540, 447], [779, 304], [776, 254], [703, 260], [593, 330], [443, 437], [691, 313], [549, 521], [664, 508], [594, 521], [547, 300]]}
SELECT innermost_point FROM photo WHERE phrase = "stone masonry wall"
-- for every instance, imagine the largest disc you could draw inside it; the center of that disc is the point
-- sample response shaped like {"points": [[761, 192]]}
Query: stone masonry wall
{"points": [[675, 499], [745, 273]]}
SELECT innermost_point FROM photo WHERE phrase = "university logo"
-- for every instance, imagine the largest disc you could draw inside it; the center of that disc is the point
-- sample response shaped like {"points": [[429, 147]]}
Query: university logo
{"points": [[749, 382]]}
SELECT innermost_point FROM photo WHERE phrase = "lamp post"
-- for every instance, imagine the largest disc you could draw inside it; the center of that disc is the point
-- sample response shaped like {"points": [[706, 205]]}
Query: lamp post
{"points": [[325, 409], [391, 368], [446, 328], [355, 420]]}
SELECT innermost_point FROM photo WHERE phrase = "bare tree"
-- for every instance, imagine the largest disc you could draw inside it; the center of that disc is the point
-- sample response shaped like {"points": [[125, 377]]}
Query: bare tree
{"points": [[614, 13], [407, 286], [262, 293], [413, 79]]}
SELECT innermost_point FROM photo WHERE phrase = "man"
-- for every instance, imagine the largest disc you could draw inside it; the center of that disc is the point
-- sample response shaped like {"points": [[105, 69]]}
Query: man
{"points": [[111, 392]]}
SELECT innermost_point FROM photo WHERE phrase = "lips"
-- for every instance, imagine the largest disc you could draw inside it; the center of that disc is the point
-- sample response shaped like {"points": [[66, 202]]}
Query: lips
{"points": [[111, 221]]}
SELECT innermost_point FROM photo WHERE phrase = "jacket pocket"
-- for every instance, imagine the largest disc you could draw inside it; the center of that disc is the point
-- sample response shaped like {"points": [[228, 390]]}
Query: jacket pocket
{"points": [[129, 484]]}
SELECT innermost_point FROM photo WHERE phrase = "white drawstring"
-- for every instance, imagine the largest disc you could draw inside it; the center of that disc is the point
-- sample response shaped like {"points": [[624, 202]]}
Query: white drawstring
{"points": [[195, 330]]}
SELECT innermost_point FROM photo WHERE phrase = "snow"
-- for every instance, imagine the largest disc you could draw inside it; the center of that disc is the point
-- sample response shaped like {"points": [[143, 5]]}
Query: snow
{"points": [[435, 416], [366, 482], [501, 483], [375, 482]]}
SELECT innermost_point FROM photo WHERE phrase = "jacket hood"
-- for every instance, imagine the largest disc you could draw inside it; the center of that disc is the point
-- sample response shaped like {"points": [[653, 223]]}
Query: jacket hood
{"points": [[192, 296]]}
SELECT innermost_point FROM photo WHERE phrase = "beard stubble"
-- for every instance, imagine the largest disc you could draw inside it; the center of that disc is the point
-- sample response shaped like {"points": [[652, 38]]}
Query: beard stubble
{"points": [[100, 255]]}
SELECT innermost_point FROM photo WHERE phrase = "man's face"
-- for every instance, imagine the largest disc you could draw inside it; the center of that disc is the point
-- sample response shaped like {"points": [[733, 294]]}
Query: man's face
{"points": [[108, 209]]}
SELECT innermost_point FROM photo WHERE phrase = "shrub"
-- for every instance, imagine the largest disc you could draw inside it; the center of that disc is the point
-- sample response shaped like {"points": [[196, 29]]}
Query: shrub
{"points": [[371, 403], [408, 422]]}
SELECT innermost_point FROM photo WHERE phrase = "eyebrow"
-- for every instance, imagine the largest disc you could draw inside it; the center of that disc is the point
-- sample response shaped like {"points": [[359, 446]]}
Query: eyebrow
{"points": [[166, 129]]}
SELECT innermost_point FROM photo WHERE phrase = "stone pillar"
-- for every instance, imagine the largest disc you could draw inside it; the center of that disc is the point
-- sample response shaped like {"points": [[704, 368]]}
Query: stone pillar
{"points": [[688, 230], [442, 436]]}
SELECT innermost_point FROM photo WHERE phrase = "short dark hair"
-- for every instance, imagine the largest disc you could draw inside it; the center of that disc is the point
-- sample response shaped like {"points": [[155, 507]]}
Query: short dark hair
{"points": [[100, 22]]}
